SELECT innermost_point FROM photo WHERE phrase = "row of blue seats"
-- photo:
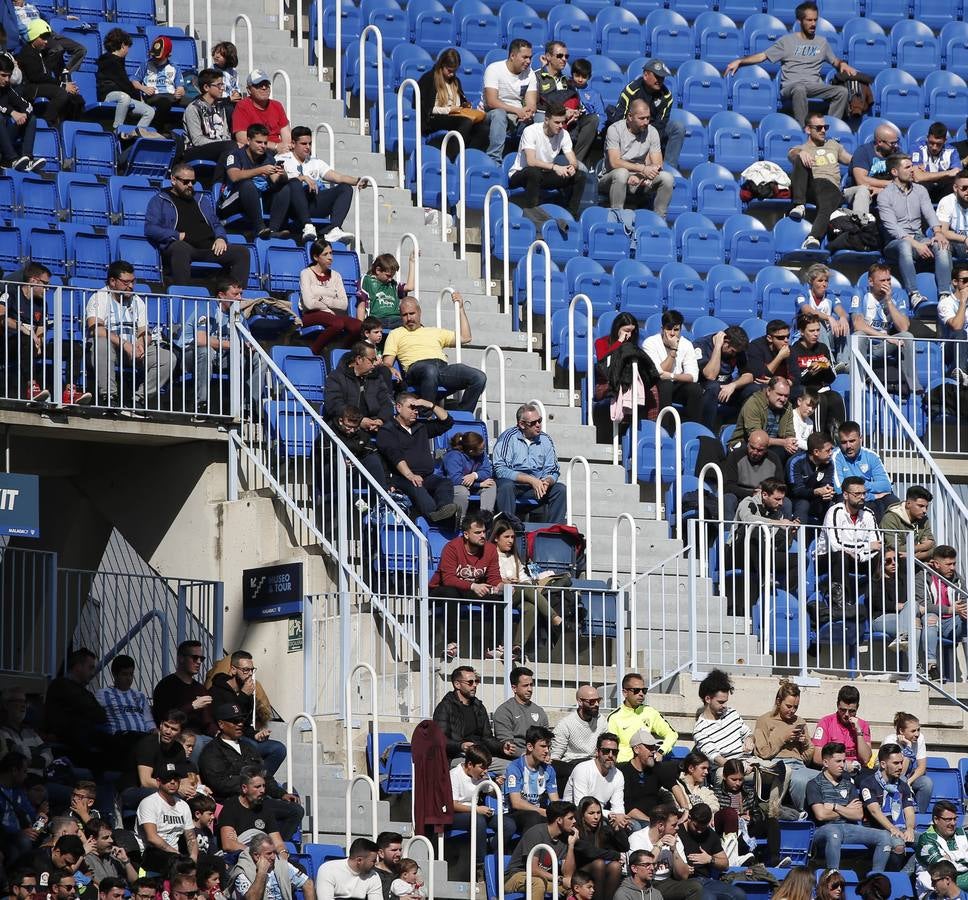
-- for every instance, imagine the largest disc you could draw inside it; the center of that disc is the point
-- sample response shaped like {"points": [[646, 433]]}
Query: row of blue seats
{"points": [[184, 53], [124, 12]]}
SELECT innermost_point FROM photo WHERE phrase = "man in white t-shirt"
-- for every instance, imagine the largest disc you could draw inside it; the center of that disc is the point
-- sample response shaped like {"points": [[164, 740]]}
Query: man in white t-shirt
{"points": [[538, 164], [117, 328], [953, 323], [326, 193], [675, 360], [510, 96], [953, 216], [354, 877], [164, 818], [633, 161], [598, 777]]}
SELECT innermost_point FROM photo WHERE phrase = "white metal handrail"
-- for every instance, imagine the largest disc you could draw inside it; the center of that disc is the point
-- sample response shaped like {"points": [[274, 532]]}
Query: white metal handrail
{"points": [[461, 188], [569, 505], [281, 15], [208, 30], [633, 610], [361, 62], [423, 841], [314, 827], [288, 83], [331, 135], [546, 848], [677, 464], [713, 469], [502, 396], [490, 787], [247, 22], [529, 289], [505, 243], [590, 355], [348, 806], [338, 86], [318, 38], [415, 245], [541, 407], [298, 24], [418, 141], [348, 712], [374, 194], [440, 300]]}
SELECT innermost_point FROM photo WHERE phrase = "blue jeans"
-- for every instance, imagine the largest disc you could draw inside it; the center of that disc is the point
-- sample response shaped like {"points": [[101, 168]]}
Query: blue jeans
{"points": [[952, 628], [800, 777], [673, 135], [500, 125], [878, 349], [127, 104], [713, 889], [923, 788], [833, 836], [273, 753], [551, 508], [901, 252], [429, 374]]}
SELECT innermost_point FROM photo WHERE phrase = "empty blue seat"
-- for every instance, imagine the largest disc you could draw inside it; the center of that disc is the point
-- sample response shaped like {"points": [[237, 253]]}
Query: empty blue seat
{"points": [[868, 48], [521, 235], [48, 246], [655, 245], [760, 31], [151, 158], [788, 237], [572, 26], [283, 264], [718, 40], [748, 245], [688, 9], [684, 290], [695, 149], [839, 13], [732, 141], [91, 255], [669, 37], [777, 290], [778, 133], [351, 24], [606, 239], [714, 191], [915, 48], [898, 97], [730, 294], [11, 248], [90, 203], [698, 242], [619, 35], [637, 290], [752, 91], [38, 198], [954, 46], [946, 99], [887, 12], [432, 29], [702, 89]]}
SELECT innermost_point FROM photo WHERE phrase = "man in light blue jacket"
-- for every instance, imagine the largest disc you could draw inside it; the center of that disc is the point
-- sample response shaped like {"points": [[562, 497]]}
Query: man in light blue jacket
{"points": [[854, 459]]}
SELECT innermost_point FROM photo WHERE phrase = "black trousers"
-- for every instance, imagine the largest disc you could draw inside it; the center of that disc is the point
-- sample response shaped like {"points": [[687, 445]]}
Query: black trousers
{"points": [[16, 365], [825, 194], [179, 255], [60, 103], [688, 393], [11, 134], [534, 179], [331, 203], [475, 135]]}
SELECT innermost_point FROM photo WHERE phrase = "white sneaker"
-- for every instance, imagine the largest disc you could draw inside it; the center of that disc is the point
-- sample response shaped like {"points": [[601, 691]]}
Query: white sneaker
{"points": [[309, 232], [962, 377], [811, 243], [797, 212], [899, 643], [36, 163], [917, 298], [337, 234]]}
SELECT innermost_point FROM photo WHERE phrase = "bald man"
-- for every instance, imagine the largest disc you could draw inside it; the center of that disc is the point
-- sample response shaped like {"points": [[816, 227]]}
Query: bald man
{"points": [[577, 733], [868, 167], [745, 468]]}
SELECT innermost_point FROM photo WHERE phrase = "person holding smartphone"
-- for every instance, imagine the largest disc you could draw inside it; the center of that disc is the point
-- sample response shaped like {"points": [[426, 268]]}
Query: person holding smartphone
{"points": [[783, 735]]}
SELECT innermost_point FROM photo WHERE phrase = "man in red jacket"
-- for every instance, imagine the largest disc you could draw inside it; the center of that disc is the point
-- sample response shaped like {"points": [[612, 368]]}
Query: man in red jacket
{"points": [[468, 568]]}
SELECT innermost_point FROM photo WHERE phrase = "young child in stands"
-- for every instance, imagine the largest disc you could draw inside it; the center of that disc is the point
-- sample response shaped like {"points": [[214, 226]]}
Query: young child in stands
{"points": [[591, 99], [468, 467], [187, 739], [803, 417], [409, 883], [225, 58], [163, 86], [379, 295], [203, 813], [582, 886], [113, 84], [371, 332], [210, 875]]}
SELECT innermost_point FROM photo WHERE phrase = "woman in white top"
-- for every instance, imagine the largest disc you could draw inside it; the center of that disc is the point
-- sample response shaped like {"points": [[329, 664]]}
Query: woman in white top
{"points": [[323, 300], [529, 599], [834, 321], [907, 735]]}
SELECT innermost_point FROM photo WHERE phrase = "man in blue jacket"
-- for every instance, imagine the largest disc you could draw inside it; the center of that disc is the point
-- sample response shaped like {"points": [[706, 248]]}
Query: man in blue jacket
{"points": [[185, 229], [526, 466], [854, 459]]}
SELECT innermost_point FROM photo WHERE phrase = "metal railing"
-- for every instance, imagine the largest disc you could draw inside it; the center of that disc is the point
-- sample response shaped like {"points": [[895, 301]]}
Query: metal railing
{"points": [[487, 786], [287, 82], [456, 306], [529, 291], [245, 20], [331, 135], [414, 265], [501, 192], [589, 354], [374, 799], [314, 766], [418, 138], [502, 375], [570, 514], [632, 583], [348, 714], [371, 29], [461, 188], [672, 412], [374, 195]]}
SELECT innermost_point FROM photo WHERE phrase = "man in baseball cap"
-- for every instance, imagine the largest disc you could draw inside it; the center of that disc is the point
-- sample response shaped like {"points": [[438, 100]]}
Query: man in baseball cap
{"points": [[41, 62], [161, 82], [651, 88], [648, 782], [164, 818], [258, 108]]}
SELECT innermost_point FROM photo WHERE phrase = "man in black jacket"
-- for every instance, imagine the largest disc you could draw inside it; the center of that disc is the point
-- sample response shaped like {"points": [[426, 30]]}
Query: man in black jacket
{"points": [[464, 719], [355, 382], [651, 88], [221, 765], [73, 715], [811, 479], [17, 124], [43, 67]]}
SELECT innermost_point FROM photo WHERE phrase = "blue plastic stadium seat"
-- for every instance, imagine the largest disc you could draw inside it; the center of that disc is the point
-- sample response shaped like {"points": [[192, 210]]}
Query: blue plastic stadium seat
{"points": [[133, 202], [946, 99], [748, 245], [152, 158], [738, 10], [695, 149], [637, 290], [887, 12], [732, 141], [48, 246], [684, 290], [759, 31], [898, 97], [572, 26], [618, 35], [702, 89], [954, 46], [608, 79], [134, 247], [915, 48], [777, 290], [714, 191], [788, 236], [778, 133], [669, 37], [141, 12], [718, 40], [11, 248], [521, 235], [868, 48], [38, 198], [698, 243], [605, 238], [90, 203], [351, 24], [752, 91], [840, 12], [730, 294], [562, 247], [655, 245]]}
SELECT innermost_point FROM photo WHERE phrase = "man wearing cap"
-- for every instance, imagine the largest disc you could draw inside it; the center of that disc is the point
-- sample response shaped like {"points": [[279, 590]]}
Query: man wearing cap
{"points": [[648, 782], [801, 55], [258, 108], [223, 760], [41, 66], [633, 161], [164, 87], [651, 88], [633, 715], [164, 818]]}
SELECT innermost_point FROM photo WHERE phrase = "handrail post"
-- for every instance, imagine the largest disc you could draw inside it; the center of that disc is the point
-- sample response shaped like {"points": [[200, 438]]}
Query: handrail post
{"points": [[348, 806], [361, 62], [492, 788], [529, 289], [374, 193], [502, 416], [670, 410], [589, 353], [544, 848], [208, 30], [171, 12], [424, 841], [191, 18], [720, 515], [693, 606], [318, 37], [631, 593], [418, 143], [580, 460], [415, 245], [298, 25], [462, 187], [286, 81], [325, 126], [348, 712], [440, 300], [505, 243], [314, 829], [245, 20], [338, 76]]}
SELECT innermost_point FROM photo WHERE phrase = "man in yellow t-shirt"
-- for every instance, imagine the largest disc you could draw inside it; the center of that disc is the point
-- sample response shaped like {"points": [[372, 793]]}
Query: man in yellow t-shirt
{"points": [[421, 353], [633, 714]]}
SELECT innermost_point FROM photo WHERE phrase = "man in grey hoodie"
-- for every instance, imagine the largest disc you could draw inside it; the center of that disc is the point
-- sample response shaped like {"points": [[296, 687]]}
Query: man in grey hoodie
{"points": [[638, 886]]}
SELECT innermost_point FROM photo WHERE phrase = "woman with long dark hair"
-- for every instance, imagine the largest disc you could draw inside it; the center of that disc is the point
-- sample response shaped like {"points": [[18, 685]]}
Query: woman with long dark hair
{"points": [[811, 366], [443, 106], [599, 848]]}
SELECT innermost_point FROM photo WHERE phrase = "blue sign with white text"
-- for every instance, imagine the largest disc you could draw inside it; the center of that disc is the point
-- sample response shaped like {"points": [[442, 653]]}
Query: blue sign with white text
{"points": [[19, 505], [271, 592]]}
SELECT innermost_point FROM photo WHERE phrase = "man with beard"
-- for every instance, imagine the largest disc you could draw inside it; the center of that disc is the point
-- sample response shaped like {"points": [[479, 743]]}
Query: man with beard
{"points": [[647, 782], [389, 849], [848, 542], [243, 816]]}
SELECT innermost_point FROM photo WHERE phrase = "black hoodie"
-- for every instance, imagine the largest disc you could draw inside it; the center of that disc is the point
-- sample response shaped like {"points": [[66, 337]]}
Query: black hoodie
{"points": [[112, 76]]}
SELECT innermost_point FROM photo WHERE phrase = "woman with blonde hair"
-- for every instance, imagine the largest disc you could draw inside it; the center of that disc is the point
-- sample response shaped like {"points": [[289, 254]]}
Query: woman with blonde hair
{"points": [[784, 736], [443, 106], [798, 885]]}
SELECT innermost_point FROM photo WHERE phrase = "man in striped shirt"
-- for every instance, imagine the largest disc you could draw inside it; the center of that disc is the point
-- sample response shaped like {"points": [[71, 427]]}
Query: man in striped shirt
{"points": [[128, 710], [720, 731]]}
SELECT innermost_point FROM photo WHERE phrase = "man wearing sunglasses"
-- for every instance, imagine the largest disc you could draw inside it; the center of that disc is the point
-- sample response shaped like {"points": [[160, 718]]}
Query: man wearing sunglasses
{"points": [[261, 874], [944, 883], [555, 89], [953, 313], [599, 778], [953, 217], [634, 715], [816, 177], [183, 691], [944, 841], [868, 167]]}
